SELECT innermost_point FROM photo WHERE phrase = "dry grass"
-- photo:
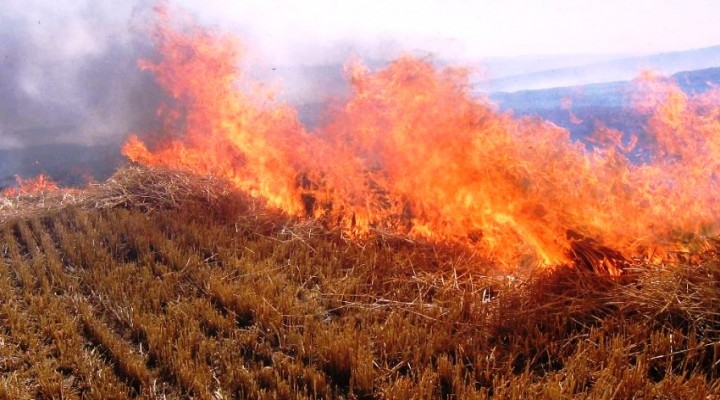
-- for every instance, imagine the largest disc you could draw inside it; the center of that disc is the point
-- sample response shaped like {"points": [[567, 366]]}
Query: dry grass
{"points": [[158, 284], [130, 187]]}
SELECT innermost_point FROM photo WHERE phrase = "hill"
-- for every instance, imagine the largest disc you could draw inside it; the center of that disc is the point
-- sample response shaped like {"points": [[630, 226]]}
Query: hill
{"points": [[582, 109], [623, 68], [160, 284]]}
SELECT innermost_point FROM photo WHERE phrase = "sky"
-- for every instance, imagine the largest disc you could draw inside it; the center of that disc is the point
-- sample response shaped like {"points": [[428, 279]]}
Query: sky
{"points": [[68, 68], [476, 29]]}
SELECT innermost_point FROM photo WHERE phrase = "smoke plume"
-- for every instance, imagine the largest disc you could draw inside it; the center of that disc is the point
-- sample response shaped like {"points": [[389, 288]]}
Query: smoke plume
{"points": [[70, 73]]}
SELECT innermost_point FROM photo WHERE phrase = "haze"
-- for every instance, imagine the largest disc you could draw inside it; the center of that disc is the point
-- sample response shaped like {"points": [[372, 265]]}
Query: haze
{"points": [[475, 29]]}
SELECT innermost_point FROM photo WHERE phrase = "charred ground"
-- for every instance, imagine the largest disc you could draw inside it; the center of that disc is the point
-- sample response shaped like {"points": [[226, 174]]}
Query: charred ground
{"points": [[164, 285]]}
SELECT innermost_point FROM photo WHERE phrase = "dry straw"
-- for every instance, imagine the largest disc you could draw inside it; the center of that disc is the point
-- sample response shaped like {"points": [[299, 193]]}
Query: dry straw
{"points": [[131, 187], [148, 290]]}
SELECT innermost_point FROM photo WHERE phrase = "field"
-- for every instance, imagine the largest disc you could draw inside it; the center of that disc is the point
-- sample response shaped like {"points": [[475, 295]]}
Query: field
{"points": [[137, 292]]}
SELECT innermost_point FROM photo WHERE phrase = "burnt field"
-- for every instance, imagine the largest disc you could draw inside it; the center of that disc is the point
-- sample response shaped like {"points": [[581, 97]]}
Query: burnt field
{"points": [[129, 291]]}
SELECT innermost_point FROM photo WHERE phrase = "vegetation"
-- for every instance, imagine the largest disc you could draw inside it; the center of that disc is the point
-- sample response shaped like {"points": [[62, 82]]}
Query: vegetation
{"points": [[157, 284]]}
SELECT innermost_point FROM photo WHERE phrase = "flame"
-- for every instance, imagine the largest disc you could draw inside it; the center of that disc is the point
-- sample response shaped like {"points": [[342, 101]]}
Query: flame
{"points": [[31, 186], [412, 152]]}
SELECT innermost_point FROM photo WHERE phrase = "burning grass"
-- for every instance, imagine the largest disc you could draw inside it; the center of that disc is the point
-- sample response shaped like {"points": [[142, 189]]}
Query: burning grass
{"points": [[184, 287], [411, 151], [374, 273]]}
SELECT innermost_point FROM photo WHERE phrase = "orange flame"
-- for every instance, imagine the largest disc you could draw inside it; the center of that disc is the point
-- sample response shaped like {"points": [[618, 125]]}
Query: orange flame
{"points": [[414, 153], [31, 186]]}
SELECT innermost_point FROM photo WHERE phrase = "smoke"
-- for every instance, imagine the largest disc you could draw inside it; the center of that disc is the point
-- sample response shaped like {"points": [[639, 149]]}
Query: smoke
{"points": [[70, 73]]}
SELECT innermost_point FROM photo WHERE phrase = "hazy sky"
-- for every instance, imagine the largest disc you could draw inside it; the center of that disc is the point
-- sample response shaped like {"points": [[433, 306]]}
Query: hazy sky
{"points": [[68, 68], [476, 28], [286, 30]]}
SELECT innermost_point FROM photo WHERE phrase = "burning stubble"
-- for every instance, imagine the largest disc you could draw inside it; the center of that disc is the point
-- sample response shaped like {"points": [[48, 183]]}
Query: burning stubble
{"points": [[412, 152]]}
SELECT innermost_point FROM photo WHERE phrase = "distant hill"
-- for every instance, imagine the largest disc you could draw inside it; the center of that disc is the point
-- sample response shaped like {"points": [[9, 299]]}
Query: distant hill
{"points": [[609, 94], [605, 71], [588, 106], [502, 67]]}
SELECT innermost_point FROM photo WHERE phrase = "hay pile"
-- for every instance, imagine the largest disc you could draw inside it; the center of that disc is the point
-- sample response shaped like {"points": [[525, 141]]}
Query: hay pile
{"points": [[129, 187]]}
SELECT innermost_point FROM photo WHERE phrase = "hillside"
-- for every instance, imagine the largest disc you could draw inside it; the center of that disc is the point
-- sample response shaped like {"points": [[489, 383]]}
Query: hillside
{"points": [[619, 69], [585, 108], [158, 284]]}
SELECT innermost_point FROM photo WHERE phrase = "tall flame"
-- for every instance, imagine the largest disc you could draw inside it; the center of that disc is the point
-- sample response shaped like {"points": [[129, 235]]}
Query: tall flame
{"points": [[414, 153]]}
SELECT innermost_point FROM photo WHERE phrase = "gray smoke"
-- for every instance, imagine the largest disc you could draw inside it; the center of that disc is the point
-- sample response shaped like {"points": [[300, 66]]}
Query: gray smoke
{"points": [[69, 73]]}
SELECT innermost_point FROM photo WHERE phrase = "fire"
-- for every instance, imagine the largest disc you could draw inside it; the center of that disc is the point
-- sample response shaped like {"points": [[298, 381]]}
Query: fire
{"points": [[412, 152], [31, 186], [239, 135]]}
